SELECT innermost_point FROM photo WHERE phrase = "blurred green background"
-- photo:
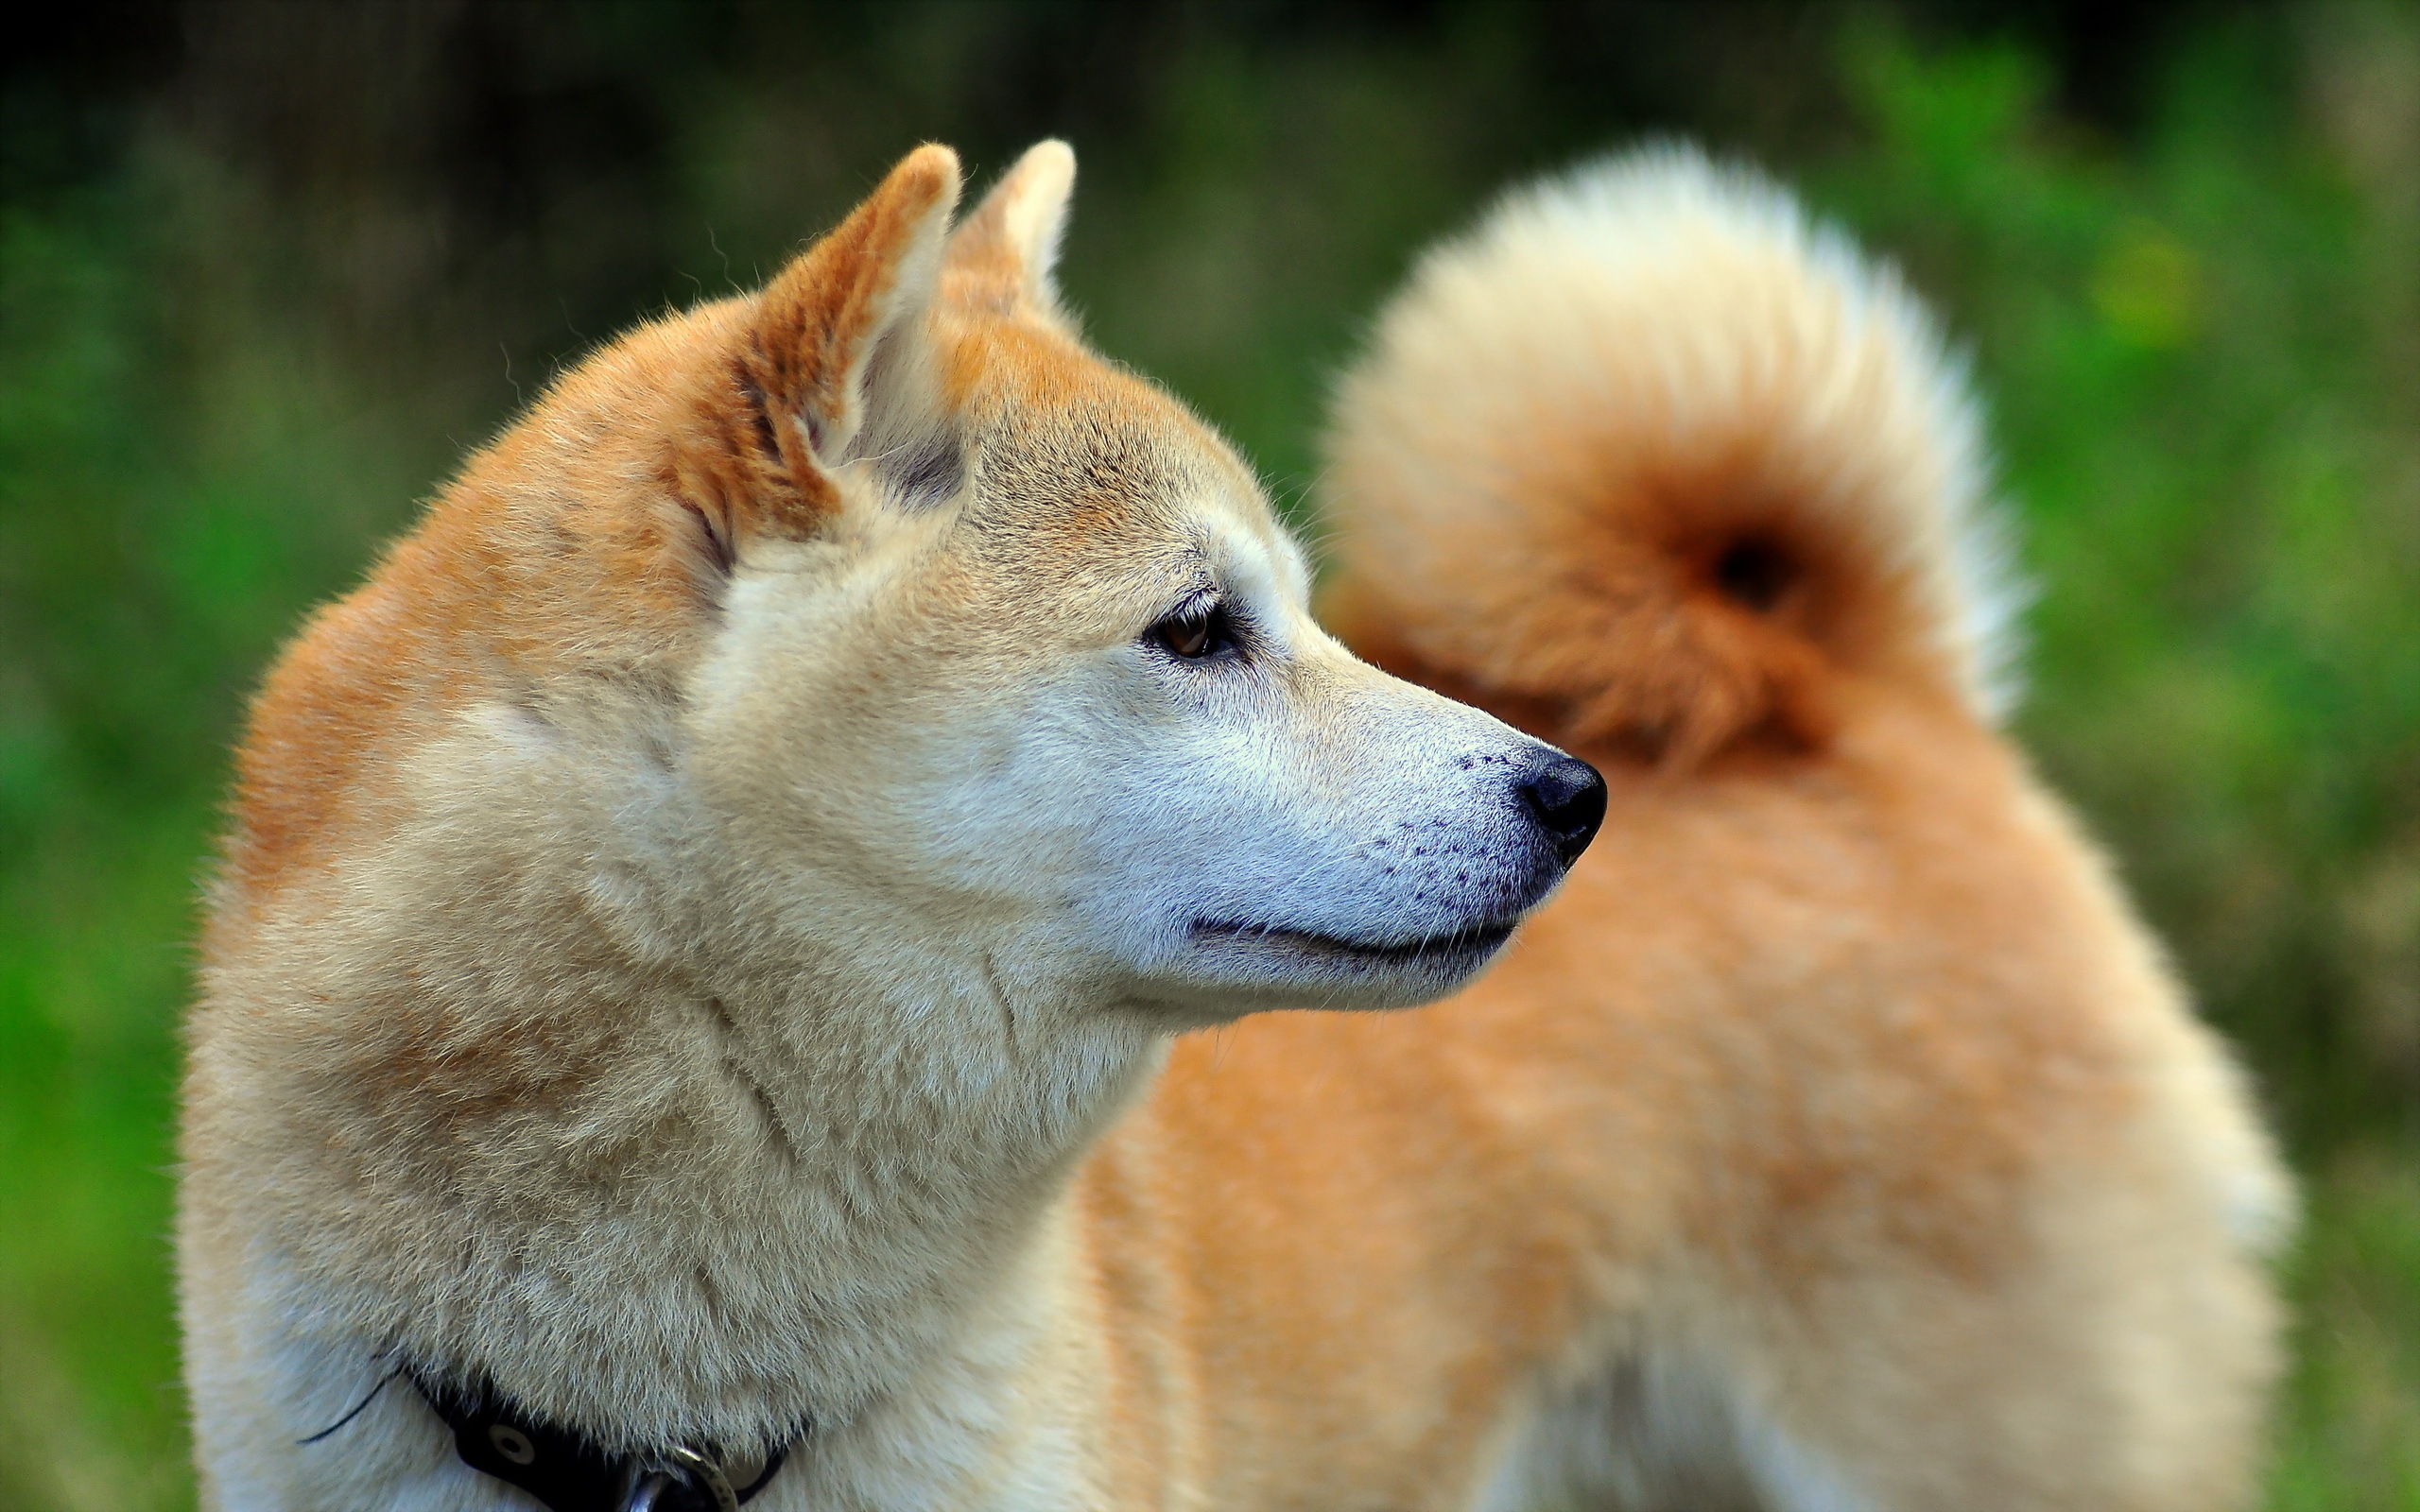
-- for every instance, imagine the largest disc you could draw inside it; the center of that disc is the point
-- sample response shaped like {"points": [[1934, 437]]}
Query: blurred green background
{"points": [[267, 270]]}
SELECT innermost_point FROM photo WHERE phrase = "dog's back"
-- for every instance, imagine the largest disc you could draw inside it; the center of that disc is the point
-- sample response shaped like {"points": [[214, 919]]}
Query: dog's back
{"points": [[1838, 1137]]}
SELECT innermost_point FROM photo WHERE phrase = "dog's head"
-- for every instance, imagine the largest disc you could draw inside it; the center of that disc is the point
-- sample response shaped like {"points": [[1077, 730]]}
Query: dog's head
{"points": [[877, 599], [1037, 673]]}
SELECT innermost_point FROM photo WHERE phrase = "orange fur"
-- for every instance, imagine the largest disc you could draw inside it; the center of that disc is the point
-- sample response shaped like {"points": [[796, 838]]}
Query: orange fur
{"points": [[512, 581], [1835, 1139], [1840, 1056]]}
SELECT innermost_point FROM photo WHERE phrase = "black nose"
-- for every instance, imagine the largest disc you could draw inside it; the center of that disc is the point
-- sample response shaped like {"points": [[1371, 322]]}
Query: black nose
{"points": [[1568, 798]]}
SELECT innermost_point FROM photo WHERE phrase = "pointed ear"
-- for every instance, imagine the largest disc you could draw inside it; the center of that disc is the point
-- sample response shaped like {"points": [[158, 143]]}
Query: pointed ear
{"points": [[1001, 259], [837, 346]]}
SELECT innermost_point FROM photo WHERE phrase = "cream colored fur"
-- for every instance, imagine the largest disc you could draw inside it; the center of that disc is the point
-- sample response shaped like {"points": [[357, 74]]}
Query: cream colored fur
{"points": [[709, 928], [1652, 303], [700, 1059]]}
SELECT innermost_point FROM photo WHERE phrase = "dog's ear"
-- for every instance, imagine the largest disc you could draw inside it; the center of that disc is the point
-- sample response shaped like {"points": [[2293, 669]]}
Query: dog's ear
{"points": [[834, 359], [1000, 260]]}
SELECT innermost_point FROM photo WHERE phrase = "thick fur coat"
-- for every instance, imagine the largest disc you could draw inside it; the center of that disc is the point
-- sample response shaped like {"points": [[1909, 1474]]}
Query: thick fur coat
{"points": [[707, 928]]}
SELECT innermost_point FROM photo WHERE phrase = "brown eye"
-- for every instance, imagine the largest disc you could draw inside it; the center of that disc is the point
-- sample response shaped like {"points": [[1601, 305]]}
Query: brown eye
{"points": [[1187, 638], [1197, 634]]}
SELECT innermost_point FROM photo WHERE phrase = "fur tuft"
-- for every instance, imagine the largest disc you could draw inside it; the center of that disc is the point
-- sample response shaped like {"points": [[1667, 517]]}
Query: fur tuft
{"points": [[1654, 460]]}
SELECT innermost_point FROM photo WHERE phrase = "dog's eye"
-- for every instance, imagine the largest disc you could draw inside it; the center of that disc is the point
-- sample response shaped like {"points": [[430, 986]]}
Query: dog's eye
{"points": [[1201, 634]]}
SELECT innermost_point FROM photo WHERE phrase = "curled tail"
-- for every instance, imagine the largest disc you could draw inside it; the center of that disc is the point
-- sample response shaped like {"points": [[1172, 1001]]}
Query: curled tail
{"points": [[1651, 455]]}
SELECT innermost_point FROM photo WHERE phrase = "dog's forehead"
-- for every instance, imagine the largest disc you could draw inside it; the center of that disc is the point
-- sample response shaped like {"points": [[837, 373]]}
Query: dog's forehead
{"points": [[1095, 467]]}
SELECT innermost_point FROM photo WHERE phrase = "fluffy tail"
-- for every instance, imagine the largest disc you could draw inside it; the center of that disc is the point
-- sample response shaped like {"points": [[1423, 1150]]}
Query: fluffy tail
{"points": [[1651, 459]]}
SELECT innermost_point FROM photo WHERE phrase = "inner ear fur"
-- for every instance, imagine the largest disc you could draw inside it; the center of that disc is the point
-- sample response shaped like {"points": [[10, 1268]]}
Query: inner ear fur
{"points": [[1001, 260], [833, 360]]}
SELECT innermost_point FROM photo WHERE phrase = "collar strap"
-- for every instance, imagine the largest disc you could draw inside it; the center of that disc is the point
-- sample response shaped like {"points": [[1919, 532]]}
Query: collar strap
{"points": [[567, 1471]]}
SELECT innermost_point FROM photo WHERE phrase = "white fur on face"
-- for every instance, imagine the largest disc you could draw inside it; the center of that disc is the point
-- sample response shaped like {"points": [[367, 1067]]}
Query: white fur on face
{"points": [[1000, 751]]}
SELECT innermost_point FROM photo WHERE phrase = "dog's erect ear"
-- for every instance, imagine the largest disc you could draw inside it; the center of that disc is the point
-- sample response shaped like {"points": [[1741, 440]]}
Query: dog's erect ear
{"points": [[1001, 259], [837, 360]]}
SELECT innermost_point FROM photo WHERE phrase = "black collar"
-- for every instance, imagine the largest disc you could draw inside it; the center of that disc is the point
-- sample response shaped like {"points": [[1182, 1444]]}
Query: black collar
{"points": [[569, 1473]]}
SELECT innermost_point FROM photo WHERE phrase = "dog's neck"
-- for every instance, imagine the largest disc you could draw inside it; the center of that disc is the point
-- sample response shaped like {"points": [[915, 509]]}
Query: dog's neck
{"points": [[674, 1166], [916, 1129]]}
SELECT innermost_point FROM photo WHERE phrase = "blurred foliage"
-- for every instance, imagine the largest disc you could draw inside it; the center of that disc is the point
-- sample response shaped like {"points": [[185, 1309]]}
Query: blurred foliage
{"points": [[266, 270]]}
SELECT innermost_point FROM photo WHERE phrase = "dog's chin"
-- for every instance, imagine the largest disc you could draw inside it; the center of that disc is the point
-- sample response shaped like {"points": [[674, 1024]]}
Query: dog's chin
{"points": [[1264, 966]]}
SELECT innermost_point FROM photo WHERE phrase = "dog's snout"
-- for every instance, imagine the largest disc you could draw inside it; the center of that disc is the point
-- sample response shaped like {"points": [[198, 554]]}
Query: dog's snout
{"points": [[1568, 799]]}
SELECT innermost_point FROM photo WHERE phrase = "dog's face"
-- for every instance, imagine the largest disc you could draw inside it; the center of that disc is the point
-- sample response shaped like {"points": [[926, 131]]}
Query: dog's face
{"points": [[1048, 685]]}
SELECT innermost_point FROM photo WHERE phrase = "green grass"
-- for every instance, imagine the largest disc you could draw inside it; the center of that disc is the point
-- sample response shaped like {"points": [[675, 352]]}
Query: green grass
{"points": [[2350, 1432], [2200, 340]]}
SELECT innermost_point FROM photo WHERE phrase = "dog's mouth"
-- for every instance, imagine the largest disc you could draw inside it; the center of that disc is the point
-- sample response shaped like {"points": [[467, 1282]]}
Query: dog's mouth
{"points": [[1457, 951]]}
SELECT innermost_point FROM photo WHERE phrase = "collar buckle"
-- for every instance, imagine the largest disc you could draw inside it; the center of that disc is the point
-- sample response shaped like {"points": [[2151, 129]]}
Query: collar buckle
{"points": [[568, 1472], [657, 1490]]}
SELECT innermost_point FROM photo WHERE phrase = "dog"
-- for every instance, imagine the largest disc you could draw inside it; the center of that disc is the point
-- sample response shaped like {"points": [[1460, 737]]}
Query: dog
{"points": [[696, 1000], [1855, 1147], [689, 916]]}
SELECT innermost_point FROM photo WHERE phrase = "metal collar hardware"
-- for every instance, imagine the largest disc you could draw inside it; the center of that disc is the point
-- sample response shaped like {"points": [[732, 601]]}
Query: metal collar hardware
{"points": [[568, 1472]]}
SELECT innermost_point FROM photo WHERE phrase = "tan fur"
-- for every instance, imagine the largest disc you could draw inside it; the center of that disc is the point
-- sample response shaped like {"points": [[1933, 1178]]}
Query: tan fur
{"points": [[702, 925], [1854, 1081]]}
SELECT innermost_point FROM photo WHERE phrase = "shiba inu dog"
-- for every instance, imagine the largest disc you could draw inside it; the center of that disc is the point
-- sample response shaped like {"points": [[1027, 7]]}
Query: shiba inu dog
{"points": [[690, 914], [1849, 1144], [692, 1006]]}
